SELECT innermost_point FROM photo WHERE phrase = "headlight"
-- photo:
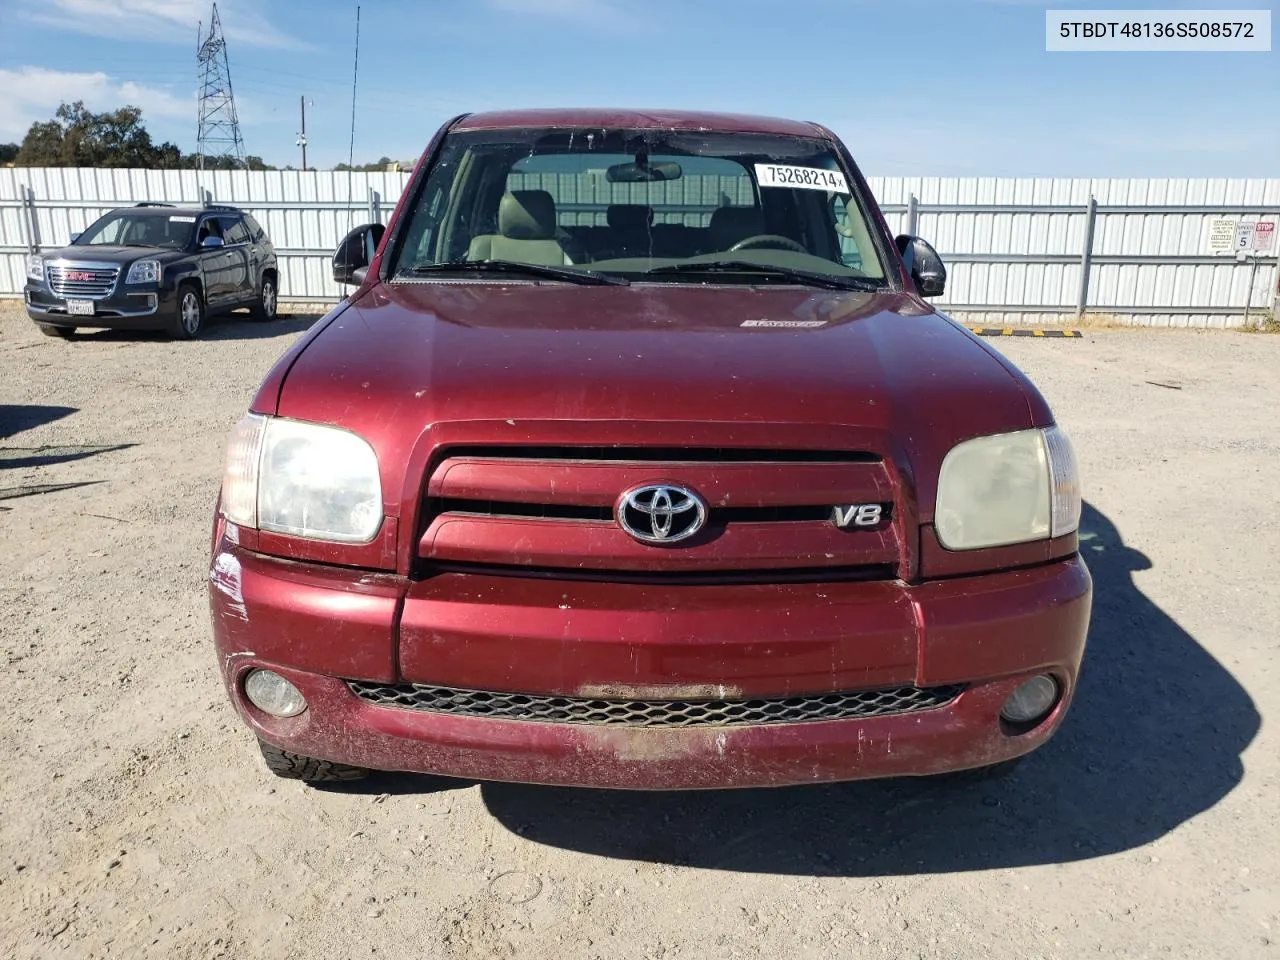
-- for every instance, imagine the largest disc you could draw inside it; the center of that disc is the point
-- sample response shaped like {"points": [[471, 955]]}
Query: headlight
{"points": [[35, 268], [144, 271], [302, 479], [1008, 488]]}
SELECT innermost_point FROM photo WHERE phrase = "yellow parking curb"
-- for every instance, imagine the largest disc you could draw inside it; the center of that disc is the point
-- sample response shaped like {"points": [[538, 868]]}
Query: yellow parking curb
{"points": [[1023, 332]]}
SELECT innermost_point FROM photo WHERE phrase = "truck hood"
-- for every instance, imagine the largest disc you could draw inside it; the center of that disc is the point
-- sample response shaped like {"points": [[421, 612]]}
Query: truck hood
{"points": [[411, 366]]}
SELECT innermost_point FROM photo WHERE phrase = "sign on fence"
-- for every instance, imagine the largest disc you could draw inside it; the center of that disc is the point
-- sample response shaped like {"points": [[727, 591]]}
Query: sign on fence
{"points": [[1244, 236], [1264, 235], [1222, 235]]}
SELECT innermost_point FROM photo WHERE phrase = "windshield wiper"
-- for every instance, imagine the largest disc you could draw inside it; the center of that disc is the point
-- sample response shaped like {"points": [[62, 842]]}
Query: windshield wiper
{"points": [[807, 277], [513, 268]]}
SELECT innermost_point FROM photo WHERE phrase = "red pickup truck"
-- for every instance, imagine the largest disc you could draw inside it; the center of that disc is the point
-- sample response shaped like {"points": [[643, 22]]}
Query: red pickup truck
{"points": [[636, 458]]}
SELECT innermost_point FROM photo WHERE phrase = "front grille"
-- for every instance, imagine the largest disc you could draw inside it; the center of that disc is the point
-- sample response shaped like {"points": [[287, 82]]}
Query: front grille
{"points": [[654, 713], [77, 280]]}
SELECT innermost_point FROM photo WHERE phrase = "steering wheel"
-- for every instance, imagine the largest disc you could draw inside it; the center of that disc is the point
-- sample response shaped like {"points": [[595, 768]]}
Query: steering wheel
{"points": [[767, 240]]}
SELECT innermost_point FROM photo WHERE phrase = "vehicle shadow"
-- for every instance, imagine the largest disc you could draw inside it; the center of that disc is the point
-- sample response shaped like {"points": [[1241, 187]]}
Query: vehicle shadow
{"points": [[19, 417], [237, 326], [232, 326], [1154, 738]]}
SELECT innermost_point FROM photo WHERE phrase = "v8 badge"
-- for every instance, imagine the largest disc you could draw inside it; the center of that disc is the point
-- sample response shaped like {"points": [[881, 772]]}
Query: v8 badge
{"points": [[858, 515]]}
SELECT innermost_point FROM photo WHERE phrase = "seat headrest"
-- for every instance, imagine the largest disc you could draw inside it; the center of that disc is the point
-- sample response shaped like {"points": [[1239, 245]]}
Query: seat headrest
{"points": [[527, 215], [629, 217], [730, 224]]}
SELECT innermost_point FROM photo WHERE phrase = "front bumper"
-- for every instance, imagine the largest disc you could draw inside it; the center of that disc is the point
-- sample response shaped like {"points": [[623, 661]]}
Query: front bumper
{"points": [[319, 626], [128, 307]]}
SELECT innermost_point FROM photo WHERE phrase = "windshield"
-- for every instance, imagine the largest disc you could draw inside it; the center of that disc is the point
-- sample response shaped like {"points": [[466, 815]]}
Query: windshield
{"points": [[645, 205], [139, 230]]}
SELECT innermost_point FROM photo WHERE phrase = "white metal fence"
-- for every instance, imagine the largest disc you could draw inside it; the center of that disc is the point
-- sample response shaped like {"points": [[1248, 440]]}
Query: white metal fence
{"points": [[1029, 250]]}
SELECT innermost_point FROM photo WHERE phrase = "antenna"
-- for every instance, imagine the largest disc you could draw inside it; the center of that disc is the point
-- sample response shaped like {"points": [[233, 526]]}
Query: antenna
{"points": [[218, 134]]}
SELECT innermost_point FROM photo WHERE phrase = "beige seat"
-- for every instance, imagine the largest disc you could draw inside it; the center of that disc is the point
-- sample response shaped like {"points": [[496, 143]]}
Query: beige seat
{"points": [[527, 232]]}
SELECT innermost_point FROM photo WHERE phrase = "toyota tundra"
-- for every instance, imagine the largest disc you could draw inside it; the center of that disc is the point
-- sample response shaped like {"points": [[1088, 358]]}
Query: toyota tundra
{"points": [[637, 457]]}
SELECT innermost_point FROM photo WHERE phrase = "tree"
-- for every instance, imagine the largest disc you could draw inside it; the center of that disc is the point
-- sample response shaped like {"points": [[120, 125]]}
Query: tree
{"points": [[380, 165], [8, 152], [76, 137]]}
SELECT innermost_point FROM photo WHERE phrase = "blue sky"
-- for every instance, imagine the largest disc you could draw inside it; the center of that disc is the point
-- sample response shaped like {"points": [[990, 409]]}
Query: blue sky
{"points": [[916, 87]]}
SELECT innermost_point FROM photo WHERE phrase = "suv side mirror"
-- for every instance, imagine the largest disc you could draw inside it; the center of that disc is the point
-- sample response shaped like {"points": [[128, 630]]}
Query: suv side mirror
{"points": [[923, 264], [208, 242], [355, 253], [75, 237]]}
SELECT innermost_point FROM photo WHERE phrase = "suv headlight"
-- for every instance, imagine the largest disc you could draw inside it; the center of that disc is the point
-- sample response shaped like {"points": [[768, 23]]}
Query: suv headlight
{"points": [[144, 271], [302, 479], [35, 268], [1007, 488]]}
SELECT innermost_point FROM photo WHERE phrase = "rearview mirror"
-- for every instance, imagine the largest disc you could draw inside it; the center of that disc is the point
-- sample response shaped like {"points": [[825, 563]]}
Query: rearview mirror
{"points": [[643, 172], [923, 265], [355, 253]]}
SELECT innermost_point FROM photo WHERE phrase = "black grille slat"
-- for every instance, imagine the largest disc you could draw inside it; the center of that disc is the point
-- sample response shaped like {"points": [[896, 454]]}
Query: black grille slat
{"points": [[674, 578], [654, 713], [716, 516], [670, 455]]}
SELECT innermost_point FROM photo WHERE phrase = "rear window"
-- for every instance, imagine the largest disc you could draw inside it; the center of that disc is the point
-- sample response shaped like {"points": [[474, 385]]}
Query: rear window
{"points": [[582, 193]]}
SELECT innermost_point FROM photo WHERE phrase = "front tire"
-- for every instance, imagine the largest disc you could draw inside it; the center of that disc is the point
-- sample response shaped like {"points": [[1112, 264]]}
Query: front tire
{"points": [[264, 308], [189, 319], [294, 766], [52, 330]]}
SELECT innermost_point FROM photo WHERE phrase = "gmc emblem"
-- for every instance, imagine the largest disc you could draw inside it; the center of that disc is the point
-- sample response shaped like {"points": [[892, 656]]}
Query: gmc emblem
{"points": [[79, 276]]}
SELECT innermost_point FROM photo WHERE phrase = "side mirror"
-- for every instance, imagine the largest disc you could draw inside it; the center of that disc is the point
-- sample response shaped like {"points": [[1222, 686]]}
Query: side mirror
{"points": [[355, 253], [924, 265], [75, 237], [211, 242]]}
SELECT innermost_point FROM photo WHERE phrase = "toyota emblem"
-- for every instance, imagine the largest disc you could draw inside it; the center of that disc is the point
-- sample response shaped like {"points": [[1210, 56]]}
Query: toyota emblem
{"points": [[661, 513]]}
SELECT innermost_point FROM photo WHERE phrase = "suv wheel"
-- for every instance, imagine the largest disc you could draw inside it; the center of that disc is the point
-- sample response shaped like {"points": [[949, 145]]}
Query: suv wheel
{"points": [[190, 316], [51, 330], [264, 308], [294, 766]]}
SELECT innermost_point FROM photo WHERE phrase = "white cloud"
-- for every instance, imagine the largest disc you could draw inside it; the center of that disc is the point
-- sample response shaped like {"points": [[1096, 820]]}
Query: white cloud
{"points": [[34, 93], [571, 10], [170, 21]]}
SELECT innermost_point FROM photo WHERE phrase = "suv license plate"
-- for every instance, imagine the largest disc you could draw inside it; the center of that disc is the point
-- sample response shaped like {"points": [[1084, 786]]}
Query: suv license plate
{"points": [[80, 308]]}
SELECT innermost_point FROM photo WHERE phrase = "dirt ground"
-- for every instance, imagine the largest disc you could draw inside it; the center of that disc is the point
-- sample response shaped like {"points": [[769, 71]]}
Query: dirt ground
{"points": [[138, 820]]}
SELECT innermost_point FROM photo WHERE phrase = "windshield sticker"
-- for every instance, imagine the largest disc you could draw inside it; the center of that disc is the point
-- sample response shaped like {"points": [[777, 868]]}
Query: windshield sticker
{"points": [[784, 323], [804, 178], [182, 219]]}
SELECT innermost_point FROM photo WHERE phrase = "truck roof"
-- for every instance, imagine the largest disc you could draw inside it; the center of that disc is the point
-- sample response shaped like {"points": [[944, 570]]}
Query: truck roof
{"points": [[638, 119]]}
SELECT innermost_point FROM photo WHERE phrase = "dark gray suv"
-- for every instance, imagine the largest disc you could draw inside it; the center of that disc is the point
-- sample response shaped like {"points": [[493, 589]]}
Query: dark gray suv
{"points": [[155, 267]]}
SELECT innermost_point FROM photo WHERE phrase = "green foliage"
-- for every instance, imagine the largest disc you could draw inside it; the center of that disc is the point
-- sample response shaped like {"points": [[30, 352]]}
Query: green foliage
{"points": [[77, 137], [8, 152], [364, 167]]}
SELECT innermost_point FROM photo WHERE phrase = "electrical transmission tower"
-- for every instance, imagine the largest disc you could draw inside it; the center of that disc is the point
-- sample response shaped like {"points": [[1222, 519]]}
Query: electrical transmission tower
{"points": [[219, 132]]}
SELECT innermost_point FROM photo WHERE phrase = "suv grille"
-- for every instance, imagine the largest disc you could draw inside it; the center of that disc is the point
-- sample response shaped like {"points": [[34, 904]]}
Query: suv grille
{"points": [[75, 280], [654, 713]]}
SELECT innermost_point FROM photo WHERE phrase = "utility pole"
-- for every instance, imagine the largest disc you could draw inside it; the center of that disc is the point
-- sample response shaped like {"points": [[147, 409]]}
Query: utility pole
{"points": [[302, 134]]}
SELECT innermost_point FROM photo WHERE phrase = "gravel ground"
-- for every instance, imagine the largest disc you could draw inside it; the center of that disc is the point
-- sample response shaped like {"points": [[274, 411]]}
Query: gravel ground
{"points": [[140, 822]]}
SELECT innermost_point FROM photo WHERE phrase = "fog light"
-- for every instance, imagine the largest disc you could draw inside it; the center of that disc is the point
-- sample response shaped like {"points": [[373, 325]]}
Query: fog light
{"points": [[1031, 700], [273, 694]]}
